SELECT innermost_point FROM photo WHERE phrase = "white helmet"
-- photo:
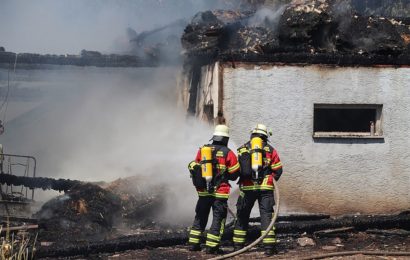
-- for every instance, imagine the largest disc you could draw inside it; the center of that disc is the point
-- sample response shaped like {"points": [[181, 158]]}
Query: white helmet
{"points": [[221, 130], [260, 129]]}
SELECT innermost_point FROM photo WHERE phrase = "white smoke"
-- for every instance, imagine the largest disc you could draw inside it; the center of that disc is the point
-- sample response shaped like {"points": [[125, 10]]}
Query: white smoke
{"points": [[268, 17], [100, 124], [60, 27]]}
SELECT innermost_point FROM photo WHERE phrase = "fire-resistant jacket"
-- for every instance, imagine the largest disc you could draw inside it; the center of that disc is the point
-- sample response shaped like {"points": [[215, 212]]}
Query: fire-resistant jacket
{"points": [[226, 162], [271, 160]]}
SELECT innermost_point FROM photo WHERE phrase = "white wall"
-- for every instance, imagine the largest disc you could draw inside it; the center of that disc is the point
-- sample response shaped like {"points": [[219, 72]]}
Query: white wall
{"points": [[335, 176]]}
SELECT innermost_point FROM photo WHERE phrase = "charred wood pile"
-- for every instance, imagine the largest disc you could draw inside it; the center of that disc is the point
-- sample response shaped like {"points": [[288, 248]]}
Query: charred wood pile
{"points": [[139, 203], [324, 28], [85, 211], [38, 182], [90, 212]]}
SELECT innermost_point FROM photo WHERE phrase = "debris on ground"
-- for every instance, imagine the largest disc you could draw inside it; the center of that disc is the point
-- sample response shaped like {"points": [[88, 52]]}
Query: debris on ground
{"points": [[290, 242], [89, 211], [86, 211], [305, 241], [140, 202], [287, 245]]}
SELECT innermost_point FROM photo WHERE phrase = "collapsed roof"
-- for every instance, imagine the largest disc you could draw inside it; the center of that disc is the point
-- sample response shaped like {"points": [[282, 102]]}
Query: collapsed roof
{"points": [[311, 27]]}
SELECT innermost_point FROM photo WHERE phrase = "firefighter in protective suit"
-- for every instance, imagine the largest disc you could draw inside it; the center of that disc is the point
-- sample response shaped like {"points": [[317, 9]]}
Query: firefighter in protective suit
{"points": [[259, 163], [210, 175]]}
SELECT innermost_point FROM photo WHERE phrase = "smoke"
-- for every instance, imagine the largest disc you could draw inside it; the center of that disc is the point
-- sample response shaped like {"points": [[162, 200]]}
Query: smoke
{"points": [[268, 17], [343, 11], [60, 27], [100, 124]]}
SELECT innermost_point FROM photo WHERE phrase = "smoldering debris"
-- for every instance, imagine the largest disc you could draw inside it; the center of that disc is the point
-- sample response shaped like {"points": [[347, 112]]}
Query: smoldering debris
{"points": [[288, 231], [90, 212], [85, 211], [207, 29], [140, 201], [314, 27]]}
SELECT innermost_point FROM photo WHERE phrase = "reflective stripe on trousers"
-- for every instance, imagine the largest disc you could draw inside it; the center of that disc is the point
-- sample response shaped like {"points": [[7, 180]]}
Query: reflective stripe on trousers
{"points": [[195, 236], [239, 236]]}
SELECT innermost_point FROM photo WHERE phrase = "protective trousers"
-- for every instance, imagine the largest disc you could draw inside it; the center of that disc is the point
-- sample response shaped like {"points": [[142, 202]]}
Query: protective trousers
{"points": [[244, 207], [202, 210]]}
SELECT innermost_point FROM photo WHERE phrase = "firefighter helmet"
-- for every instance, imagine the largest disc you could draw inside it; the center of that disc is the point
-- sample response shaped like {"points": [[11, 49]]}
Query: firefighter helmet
{"points": [[261, 129], [221, 130]]}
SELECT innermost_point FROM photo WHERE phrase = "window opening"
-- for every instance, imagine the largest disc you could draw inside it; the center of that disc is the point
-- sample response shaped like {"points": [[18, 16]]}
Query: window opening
{"points": [[344, 120]]}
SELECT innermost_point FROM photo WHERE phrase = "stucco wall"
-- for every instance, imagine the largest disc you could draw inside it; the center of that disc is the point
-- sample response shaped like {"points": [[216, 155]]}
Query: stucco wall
{"points": [[335, 176]]}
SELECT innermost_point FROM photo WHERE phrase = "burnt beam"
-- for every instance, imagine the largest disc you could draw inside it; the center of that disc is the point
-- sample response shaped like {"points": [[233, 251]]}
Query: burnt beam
{"points": [[38, 182], [154, 240], [318, 58], [166, 239]]}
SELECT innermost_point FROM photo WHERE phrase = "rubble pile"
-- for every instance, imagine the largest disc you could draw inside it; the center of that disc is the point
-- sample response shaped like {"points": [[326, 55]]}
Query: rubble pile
{"points": [[89, 211], [310, 26], [85, 211], [251, 39], [372, 35], [208, 29], [306, 26], [139, 204]]}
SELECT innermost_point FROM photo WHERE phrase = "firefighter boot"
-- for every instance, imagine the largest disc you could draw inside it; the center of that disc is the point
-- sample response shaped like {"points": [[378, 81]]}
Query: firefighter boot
{"points": [[194, 247], [214, 250], [237, 246], [270, 250]]}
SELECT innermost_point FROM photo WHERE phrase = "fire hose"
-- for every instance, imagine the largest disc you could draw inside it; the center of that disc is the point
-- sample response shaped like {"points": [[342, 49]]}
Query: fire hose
{"points": [[264, 234], [319, 256], [346, 253]]}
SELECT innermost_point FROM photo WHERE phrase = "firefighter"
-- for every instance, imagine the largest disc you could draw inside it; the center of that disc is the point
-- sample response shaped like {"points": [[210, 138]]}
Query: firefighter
{"points": [[210, 175], [259, 163]]}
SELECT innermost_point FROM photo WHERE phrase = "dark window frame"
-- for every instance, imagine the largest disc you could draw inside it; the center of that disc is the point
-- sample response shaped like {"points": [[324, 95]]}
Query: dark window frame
{"points": [[377, 133]]}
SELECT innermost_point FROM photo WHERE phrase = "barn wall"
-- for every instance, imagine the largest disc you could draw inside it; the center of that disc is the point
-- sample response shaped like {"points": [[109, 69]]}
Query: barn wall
{"points": [[335, 176]]}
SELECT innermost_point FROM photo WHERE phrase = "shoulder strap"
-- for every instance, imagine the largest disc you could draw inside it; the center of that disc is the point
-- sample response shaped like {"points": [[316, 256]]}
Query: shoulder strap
{"points": [[243, 148], [269, 147], [225, 150]]}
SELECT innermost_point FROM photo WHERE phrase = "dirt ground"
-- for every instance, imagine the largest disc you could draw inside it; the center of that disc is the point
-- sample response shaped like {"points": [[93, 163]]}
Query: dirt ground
{"points": [[288, 247]]}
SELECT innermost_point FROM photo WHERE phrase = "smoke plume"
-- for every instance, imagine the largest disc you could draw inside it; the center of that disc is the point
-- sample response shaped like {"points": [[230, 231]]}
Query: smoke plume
{"points": [[99, 124], [60, 27]]}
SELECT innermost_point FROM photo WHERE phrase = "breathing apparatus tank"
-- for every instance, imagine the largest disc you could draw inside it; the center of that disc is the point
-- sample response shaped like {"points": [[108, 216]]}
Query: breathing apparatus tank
{"points": [[256, 147], [206, 158]]}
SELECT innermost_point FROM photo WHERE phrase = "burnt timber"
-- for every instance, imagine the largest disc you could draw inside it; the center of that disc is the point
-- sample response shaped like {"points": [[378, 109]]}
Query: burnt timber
{"points": [[38, 182], [302, 32], [348, 60], [179, 237]]}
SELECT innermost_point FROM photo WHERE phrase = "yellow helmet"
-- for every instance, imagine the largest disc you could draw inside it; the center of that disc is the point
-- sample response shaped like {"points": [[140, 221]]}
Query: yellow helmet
{"points": [[260, 129], [221, 130]]}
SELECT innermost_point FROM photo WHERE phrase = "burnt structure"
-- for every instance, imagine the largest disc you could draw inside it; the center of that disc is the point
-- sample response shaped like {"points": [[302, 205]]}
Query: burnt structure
{"points": [[296, 68], [315, 31]]}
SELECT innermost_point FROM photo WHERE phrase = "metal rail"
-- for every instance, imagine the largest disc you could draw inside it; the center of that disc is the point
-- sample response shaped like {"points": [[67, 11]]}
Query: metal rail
{"points": [[3, 155]]}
